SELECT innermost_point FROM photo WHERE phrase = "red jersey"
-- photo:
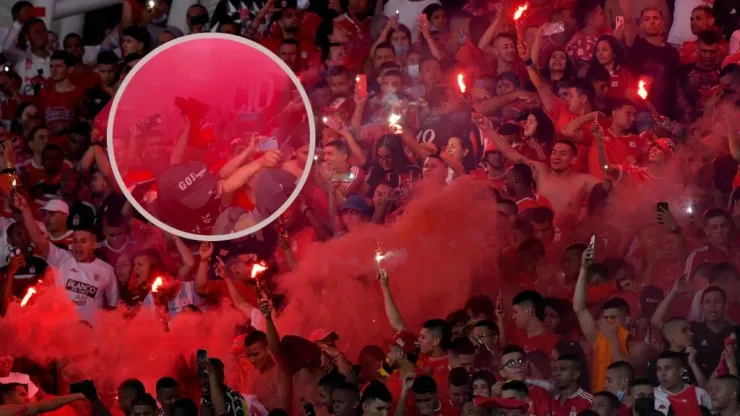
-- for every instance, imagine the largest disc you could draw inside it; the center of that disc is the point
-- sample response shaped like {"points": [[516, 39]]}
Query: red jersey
{"points": [[561, 116], [544, 342], [628, 149], [581, 46], [61, 109], [537, 201], [534, 150], [395, 385], [620, 81], [541, 402], [573, 404], [430, 365], [708, 254], [33, 174]]}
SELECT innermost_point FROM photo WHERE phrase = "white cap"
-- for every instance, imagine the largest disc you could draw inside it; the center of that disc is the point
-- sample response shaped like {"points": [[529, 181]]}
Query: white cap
{"points": [[56, 205]]}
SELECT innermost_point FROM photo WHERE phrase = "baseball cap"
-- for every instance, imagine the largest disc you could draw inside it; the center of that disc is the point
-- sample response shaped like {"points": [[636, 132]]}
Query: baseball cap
{"points": [[730, 63], [322, 335], [272, 189], [56, 205], [668, 146], [357, 203], [405, 340], [189, 185]]}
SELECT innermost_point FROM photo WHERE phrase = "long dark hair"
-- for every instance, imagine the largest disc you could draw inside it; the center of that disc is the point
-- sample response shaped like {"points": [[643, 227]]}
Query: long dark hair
{"points": [[16, 126], [619, 55], [545, 132], [568, 73], [400, 163]]}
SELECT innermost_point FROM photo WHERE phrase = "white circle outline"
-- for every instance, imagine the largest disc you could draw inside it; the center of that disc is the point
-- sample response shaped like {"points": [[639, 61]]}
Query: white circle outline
{"points": [[301, 181]]}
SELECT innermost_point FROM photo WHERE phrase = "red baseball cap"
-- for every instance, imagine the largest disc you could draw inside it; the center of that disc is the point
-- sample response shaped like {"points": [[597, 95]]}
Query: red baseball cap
{"points": [[404, 340], [322, 335], [733, 59]]}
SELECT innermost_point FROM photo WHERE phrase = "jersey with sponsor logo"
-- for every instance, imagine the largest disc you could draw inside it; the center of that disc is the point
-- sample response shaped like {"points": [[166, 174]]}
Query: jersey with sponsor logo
{"points": [[90, 286]]}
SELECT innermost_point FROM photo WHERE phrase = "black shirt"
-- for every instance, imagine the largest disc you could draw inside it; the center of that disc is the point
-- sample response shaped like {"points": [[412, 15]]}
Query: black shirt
{"points": [[93, 102], [709, 346], [439, 129], [661, 65], [28, 276]]}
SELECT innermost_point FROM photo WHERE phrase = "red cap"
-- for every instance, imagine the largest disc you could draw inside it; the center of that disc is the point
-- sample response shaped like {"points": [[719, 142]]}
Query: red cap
{"points": [[730, 60], [404, 340]]}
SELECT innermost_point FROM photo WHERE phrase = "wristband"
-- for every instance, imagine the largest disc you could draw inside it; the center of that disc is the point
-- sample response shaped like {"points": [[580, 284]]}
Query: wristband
{"points": [[529, 62]]}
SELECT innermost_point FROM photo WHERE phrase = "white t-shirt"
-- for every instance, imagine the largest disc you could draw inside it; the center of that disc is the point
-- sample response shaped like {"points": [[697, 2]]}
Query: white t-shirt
{"points": [[681, 28], [184, 297], [21, 378], [662, 404], [91, 286], [408, 13], [28, 67]]}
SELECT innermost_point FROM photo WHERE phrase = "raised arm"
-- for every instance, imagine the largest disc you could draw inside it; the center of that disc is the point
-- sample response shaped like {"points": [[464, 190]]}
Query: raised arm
{"points": [[543, 87], [181, 146], [188, 260], [201, 274], [574, 129], [239, 160], [630, 29], [42, 406], [394, 315], [32, 227], [585, 319], [6, 296], [679, 286], [492, 30], [239, 178]]}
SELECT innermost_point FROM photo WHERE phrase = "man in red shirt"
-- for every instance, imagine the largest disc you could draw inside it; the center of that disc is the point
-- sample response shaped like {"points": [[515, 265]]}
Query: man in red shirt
{"points": [[718, 229], [621, 147], [61, 101], [530, 332], [402, 357], [571, 400], [702, 19]]}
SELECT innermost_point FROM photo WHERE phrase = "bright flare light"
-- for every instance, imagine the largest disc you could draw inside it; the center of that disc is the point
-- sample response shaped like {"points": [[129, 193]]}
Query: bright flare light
{"points": [[258, 268], [26, 298], [461, 83], [157, 284], [520, 11], [641, 91]]}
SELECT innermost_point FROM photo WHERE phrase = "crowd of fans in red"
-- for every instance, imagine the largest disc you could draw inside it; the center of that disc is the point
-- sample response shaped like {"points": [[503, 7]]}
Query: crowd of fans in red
{"points": [[568, 110]]}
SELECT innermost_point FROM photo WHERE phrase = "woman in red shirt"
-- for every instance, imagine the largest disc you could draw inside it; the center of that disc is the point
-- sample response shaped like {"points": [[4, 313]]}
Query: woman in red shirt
{"points": [[610, 55]]}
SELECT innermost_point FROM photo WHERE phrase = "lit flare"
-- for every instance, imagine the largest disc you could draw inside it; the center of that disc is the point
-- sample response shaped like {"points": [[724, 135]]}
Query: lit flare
{"points": [[461, 83], [641, 91], [258, 268], [157, 284], [31, 292], [520, 11]]}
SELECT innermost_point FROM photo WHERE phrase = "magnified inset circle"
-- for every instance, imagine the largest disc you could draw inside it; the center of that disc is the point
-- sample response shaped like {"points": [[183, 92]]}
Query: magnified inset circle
{"points": [[211, 137]]}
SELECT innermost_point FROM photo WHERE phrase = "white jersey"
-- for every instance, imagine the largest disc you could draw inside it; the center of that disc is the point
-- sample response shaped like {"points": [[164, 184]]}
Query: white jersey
{"points": [[90, 286], [21, 378]]}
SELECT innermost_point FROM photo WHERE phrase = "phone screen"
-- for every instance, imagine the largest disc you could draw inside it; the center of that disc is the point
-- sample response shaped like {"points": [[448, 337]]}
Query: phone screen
{"points": [[201, 356], [269, 143]]}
